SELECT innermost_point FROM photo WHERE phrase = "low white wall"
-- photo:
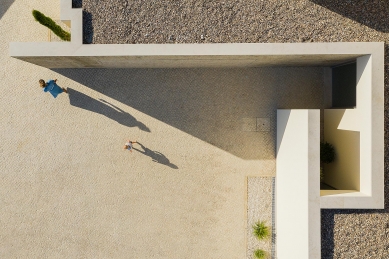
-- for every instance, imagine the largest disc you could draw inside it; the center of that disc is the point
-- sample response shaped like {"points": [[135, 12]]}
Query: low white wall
{"points": [[298, 184]]}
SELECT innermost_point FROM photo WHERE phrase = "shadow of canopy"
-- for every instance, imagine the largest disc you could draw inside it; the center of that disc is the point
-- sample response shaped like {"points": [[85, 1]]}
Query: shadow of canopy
{"points": [[373, 14], [211, 104], [4, 5], [76, 3]]}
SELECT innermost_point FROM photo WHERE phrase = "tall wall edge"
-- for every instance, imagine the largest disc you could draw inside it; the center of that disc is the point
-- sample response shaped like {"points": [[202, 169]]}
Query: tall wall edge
{"points": [[298, 184]]}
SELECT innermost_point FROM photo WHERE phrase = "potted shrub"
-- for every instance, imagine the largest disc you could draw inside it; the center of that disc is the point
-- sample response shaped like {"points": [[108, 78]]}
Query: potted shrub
{"points": [[327, 152], [327, 155]]}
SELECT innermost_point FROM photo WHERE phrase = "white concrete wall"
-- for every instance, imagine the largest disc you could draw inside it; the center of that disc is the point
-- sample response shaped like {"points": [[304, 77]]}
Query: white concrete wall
{"points": [[365, 115], [298, 184]]}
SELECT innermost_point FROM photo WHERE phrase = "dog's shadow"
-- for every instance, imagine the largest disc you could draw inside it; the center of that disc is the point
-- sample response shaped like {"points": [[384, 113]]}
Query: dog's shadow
{"points": [[155, 156], [105, 108]]}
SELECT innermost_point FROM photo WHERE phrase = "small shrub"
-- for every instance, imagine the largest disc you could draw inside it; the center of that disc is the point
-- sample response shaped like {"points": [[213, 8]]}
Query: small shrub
{"points": [[327, 153], [49, 23], [261, 231], [260, 254]]}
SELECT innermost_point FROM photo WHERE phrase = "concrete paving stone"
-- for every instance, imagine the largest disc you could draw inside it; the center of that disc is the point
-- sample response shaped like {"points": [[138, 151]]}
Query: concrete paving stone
{"points": [[263, 124]]}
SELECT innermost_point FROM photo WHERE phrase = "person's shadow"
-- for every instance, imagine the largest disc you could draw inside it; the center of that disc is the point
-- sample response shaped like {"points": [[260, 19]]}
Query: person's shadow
{"points": [[155, 156], [105, 108]]}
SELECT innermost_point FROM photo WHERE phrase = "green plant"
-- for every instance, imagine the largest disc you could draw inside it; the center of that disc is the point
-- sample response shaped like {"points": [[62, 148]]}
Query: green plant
{"points": [[49, 23], [260, 254], [327, 152], [261, 231], [321, 174]]}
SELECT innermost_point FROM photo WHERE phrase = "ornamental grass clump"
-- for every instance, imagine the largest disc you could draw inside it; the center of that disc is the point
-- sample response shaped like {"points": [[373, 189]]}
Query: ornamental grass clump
{"points": [[261, 231], [260, 254], [49, 23]]}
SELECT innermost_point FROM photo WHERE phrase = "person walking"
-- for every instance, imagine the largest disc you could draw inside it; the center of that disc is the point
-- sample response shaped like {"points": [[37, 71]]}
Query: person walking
{"points": [[52, 87], [128, 145]]}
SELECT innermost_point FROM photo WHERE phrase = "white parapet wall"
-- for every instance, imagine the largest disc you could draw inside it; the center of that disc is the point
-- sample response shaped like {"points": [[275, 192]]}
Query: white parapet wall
{"points": [[298, 184]]}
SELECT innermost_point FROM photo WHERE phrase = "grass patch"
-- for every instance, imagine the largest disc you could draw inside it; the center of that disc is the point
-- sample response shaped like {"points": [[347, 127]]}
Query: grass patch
{"points": [[49, 23], [261, 230], [260, 254]]}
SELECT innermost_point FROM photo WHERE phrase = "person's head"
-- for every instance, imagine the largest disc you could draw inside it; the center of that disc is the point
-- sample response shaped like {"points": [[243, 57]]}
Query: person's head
{"points": [[42, 83]]}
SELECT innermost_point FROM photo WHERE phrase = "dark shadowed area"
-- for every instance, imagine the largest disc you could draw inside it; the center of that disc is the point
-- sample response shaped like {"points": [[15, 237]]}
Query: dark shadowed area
{"points": [[373, 14], [76, 3], [219, 106], [4, 5]]}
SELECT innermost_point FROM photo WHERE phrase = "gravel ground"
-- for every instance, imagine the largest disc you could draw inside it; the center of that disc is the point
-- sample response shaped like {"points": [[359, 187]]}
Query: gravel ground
{"points": [[345, 233], [259, 207]]}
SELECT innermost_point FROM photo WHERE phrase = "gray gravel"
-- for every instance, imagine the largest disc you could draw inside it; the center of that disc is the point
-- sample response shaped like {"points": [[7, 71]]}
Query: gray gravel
{"points": [[345, 233]]}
